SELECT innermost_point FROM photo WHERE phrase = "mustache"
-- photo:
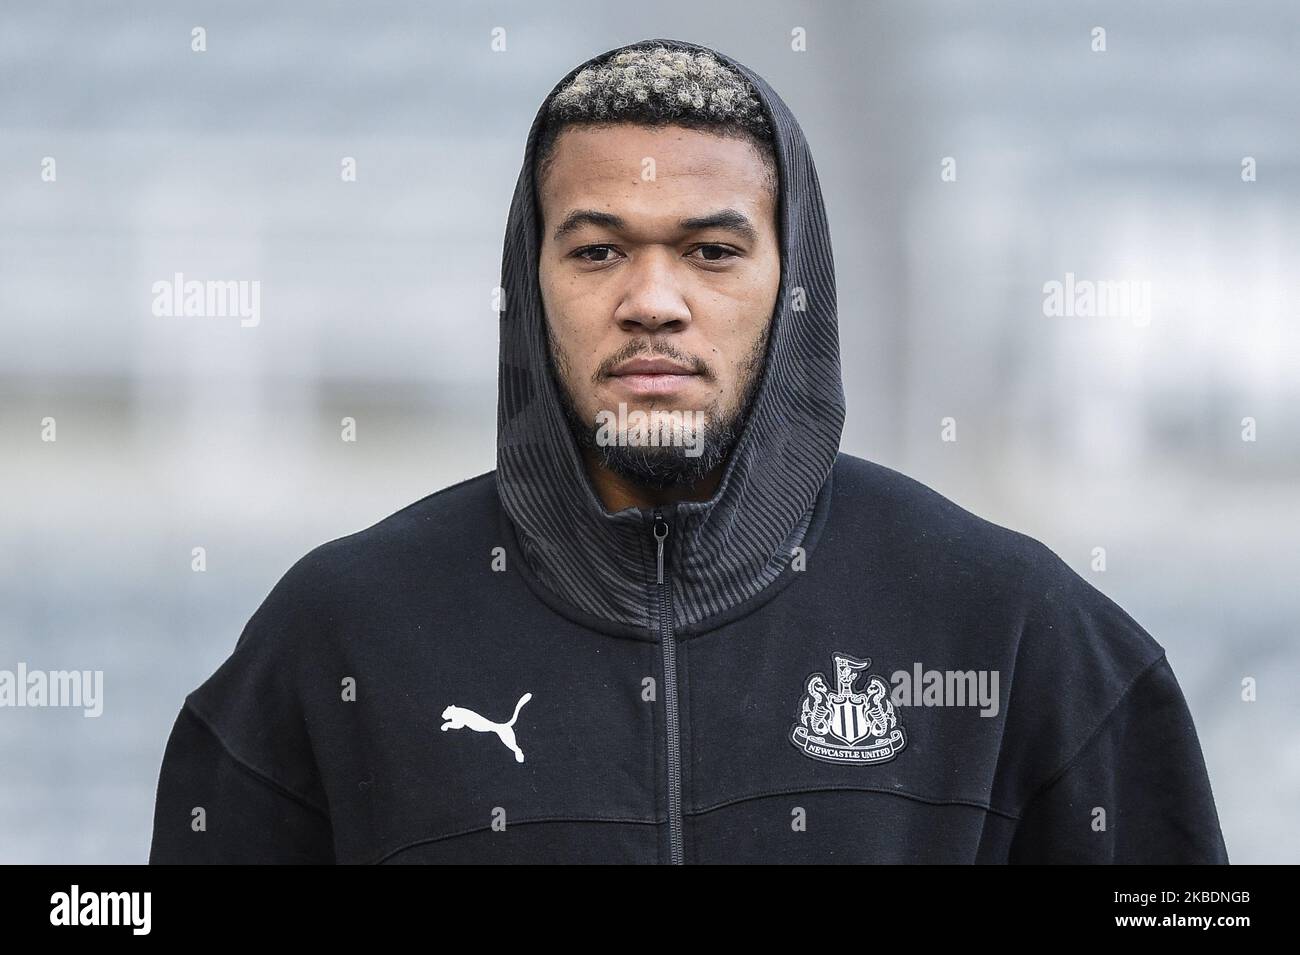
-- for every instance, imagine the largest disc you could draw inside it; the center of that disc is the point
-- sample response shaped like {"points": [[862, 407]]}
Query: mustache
{"points": [[638, 346]]}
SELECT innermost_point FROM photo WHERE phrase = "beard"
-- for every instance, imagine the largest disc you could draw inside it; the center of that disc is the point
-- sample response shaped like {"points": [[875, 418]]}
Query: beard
{"points": [[667, 463]]}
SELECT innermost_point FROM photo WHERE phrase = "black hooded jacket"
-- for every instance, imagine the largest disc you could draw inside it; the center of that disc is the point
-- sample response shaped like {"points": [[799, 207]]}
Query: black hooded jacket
{"points": [[825, 662]]}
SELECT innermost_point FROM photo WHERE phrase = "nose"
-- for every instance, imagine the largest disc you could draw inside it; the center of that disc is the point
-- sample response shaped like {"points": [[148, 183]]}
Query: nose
{"points": [[653, 299]]}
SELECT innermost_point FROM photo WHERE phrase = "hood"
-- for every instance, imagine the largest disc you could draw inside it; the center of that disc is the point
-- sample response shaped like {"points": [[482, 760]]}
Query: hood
{"points": [[719, 552]]}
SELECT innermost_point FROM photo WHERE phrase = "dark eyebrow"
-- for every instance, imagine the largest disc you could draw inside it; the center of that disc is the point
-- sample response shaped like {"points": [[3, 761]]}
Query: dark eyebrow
{"points": [[728, 219], [576, 219]]}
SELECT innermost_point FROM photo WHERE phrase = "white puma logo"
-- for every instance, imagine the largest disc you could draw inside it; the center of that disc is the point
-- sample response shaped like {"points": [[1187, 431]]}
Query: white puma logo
{"points": [[458, 717]]}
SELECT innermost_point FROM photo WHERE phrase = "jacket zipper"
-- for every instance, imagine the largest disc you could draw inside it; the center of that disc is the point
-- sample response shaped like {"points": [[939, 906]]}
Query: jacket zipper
{"points": [[665, 611]]}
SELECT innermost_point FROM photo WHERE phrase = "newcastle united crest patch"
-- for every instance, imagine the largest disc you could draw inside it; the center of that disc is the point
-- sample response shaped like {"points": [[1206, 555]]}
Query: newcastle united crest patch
{"points": [[845, 725]]}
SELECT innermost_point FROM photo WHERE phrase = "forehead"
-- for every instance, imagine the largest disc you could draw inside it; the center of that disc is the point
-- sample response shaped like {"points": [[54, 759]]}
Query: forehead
{"points": [[611, 163]]}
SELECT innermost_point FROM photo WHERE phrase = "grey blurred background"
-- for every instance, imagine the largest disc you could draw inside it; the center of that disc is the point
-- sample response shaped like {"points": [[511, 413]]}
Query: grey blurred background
{"points": [[376, 304]]}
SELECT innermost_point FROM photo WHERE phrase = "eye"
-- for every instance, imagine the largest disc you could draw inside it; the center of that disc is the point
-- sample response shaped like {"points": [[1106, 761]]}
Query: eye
{"points": [[583, 253], [717, 253], [602, 254]]}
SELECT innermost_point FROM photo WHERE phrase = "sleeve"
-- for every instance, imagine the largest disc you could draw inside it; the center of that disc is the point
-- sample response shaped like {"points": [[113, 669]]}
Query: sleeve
{"points": [[240, 781], [1136, 792], [213, 808]]}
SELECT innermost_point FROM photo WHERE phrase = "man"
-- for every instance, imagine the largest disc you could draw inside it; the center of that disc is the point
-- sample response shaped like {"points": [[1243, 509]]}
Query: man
{"points": [[676, 624]]}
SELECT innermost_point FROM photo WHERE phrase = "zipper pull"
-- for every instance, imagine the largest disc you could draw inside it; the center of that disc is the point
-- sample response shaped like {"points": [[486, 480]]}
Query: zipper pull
{"points": [[661, 534]]}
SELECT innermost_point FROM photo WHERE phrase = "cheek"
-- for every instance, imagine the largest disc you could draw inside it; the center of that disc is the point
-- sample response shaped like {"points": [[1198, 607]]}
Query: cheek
{"points": [[552, 294], [561, 313], [752, 320], [577, 334], [767, 283], [575, 337], [566, 306]]}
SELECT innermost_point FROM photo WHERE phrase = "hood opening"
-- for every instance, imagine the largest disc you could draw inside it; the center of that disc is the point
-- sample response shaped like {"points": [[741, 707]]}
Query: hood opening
{"points": [[725, 549]]}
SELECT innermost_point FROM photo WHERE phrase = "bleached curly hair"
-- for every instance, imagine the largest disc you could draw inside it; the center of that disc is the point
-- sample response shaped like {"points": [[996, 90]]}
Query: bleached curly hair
{"points": [[652, 85]]}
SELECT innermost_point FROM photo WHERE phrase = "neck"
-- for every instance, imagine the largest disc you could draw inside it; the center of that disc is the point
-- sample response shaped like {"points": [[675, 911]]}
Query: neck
{"points": [[617, 492]]}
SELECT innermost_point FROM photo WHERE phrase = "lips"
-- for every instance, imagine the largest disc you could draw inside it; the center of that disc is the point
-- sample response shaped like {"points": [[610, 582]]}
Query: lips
{"points": [[652, 376], [651, 366]]}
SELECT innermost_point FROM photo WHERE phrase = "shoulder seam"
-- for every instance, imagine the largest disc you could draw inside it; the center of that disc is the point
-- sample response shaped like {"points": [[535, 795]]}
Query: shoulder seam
{"points": [[248, 768], [1083, 748]]}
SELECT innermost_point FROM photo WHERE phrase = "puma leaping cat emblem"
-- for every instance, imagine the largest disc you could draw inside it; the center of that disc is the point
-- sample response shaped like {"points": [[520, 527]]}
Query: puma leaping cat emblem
{"points": [[458, 717]]}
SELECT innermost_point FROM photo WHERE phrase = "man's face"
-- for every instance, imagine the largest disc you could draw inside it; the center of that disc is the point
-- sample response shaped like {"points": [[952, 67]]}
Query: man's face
{"points": [[659, 291]]}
